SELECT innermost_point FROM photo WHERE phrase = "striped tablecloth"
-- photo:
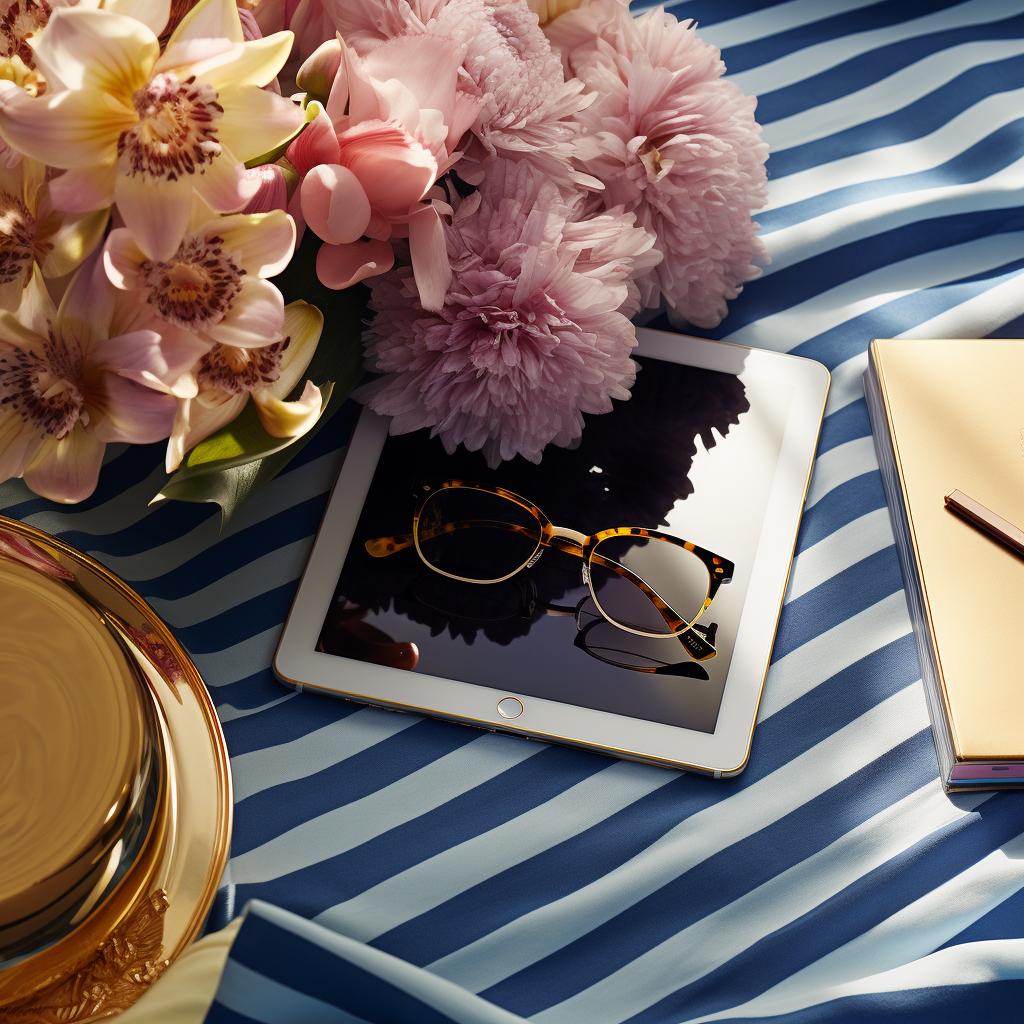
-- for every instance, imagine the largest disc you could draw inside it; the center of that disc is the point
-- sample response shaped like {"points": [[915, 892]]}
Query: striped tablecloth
{"points": [[832, 880]]}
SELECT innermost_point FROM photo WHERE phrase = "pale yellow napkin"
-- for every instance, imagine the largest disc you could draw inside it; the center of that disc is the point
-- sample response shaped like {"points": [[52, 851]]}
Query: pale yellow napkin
{"points": [[185, 991]]}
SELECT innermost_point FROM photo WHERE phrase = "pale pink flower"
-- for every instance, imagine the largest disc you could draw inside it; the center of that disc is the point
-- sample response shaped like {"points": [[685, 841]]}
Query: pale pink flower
{"points": [[529, 109], [369, 160], [227, 375], [673, 141], [74, 379], [525, 343], [33, 234], [215, 285], [147, 129]]}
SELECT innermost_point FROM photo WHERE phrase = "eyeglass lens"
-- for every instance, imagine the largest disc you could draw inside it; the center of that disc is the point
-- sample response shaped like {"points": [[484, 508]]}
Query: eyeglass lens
{"points": [[476, 535], [678, 576]]}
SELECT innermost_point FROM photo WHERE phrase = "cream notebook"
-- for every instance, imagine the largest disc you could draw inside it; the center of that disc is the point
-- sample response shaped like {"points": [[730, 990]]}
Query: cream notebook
{"points": [[950, 414]]}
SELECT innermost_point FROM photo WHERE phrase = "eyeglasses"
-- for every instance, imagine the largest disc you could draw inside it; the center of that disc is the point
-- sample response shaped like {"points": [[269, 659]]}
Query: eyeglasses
{"points": [[645, 582]]}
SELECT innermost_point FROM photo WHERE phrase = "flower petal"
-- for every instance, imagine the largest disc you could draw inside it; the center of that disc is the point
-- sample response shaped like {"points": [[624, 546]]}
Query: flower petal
{"points": [[77, 236], [78, 128], [223, 184], [303, 325], [263, 243], [84, 190], [334, 203], [255, 318], [430, 266], [155, 212], [340, 266], [253, 63], [18, 443], [318, 144], [198, 419], [35, 312], [66, 470], [154, 14], [209, 19], [122, 259], [289, 419], [132, 413], [97, 50], [256, 121]]}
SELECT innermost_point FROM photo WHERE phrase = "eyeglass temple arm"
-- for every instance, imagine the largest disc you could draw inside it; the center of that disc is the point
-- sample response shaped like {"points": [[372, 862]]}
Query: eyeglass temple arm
{"points": [[381, 547]]}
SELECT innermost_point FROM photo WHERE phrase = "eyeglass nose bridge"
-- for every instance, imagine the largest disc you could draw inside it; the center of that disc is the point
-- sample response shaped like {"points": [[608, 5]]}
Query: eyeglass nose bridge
{"points": [[564, 533]]}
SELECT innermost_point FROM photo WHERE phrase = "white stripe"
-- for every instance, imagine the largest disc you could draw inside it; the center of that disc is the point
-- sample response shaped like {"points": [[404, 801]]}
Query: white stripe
{"points": [[978, 316], [246, 658], [358, 822], [316, 751], [259, 998], [894, 93], [813, 60], [229, 713], [795, 325], [434, 881], [707, 944], [541, 932], [748, 28], [260, 576], [283, 492], [838, 551], [836, 228], [896, 954], [839, 465], [922, 154], [831, 652]]}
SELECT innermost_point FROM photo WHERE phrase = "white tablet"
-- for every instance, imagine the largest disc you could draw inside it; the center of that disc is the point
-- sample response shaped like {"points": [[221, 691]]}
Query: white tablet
{"points": [[528, 598]]}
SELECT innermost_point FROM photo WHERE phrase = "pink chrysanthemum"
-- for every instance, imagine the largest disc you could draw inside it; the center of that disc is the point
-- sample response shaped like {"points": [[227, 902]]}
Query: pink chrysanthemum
{"points": [[674, 142], [529, 337], [529, 109]]}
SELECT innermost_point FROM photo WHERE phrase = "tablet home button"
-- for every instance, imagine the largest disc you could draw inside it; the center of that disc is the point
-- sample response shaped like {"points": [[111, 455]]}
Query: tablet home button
{"points": [[510, 707]]}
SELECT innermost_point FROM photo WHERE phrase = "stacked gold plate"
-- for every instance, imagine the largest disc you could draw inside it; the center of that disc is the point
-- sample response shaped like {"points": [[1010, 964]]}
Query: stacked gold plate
{"points": [[115, 791]]}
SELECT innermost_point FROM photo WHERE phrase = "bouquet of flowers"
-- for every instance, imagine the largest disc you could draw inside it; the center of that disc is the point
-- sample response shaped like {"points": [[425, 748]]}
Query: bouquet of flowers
{"points": [[512, 181]]}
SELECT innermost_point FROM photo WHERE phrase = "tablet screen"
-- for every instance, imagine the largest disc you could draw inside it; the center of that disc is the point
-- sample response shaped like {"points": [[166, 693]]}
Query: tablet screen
{"points": [[692, 453]]}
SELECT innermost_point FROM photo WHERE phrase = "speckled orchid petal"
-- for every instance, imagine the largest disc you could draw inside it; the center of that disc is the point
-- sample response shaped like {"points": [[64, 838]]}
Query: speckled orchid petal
{"points": [[66, 469]]}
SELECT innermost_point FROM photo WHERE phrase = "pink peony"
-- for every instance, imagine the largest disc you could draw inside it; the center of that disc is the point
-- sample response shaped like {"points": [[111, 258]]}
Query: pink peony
{"points": [[529, 336], [673, 141], [529, 109], [369, 161]]}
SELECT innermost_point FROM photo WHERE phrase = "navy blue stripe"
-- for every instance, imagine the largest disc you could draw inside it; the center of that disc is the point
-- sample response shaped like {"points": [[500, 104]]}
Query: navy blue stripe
{"points": [[868, 68], [300, 964], [837, 599], [914, 121], [272, 812], [242, 622], [864, 19], [986, 157], [584, 858], [711, 12], [994, 1002], [297, 718], [220, 1014], [252, 692], [516, 791], [843, 504], [1001, 922], [720, 880], [847, 424], [859, 907]]}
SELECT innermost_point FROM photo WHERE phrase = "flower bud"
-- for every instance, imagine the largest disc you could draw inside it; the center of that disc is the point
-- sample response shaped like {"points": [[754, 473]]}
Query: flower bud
{"points": [[316, 76], [273, 191]]}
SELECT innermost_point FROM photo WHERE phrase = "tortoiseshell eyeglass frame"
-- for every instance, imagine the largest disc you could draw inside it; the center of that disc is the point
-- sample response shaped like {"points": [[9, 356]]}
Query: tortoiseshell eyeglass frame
{"points": [[580, 545]]}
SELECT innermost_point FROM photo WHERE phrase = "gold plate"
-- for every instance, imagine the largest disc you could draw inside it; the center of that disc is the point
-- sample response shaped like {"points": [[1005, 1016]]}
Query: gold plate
{"points": [[115, 788]]}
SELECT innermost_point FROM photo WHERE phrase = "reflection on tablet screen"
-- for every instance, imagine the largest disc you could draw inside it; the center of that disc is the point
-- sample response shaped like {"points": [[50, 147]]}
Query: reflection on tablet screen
{"points": [[692, 454]]}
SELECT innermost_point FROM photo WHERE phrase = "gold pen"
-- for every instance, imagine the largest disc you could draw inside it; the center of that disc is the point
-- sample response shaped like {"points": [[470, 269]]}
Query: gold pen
{"points": [[986, 520]]}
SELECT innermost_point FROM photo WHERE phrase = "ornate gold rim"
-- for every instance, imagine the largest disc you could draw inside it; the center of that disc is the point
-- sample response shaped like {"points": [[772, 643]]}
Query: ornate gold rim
{"points": [[109, 960]]}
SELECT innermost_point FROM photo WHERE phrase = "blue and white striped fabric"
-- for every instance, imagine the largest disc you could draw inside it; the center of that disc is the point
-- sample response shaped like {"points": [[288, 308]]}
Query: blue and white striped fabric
{"points": [[831, 881]]}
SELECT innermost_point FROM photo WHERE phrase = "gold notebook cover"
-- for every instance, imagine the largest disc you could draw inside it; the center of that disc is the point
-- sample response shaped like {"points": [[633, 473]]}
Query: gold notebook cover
{"points": [[955, 412]]}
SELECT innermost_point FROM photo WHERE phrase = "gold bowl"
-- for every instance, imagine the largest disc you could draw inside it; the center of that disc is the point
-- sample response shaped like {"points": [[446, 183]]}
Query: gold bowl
{"points": [[115, 788]]}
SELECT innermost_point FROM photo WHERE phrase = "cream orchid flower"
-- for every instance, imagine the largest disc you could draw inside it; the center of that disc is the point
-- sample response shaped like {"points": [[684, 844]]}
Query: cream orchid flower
{"points": [[76, 378], [213, 286], [145, 129], [32, 233], [226, 376]]}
